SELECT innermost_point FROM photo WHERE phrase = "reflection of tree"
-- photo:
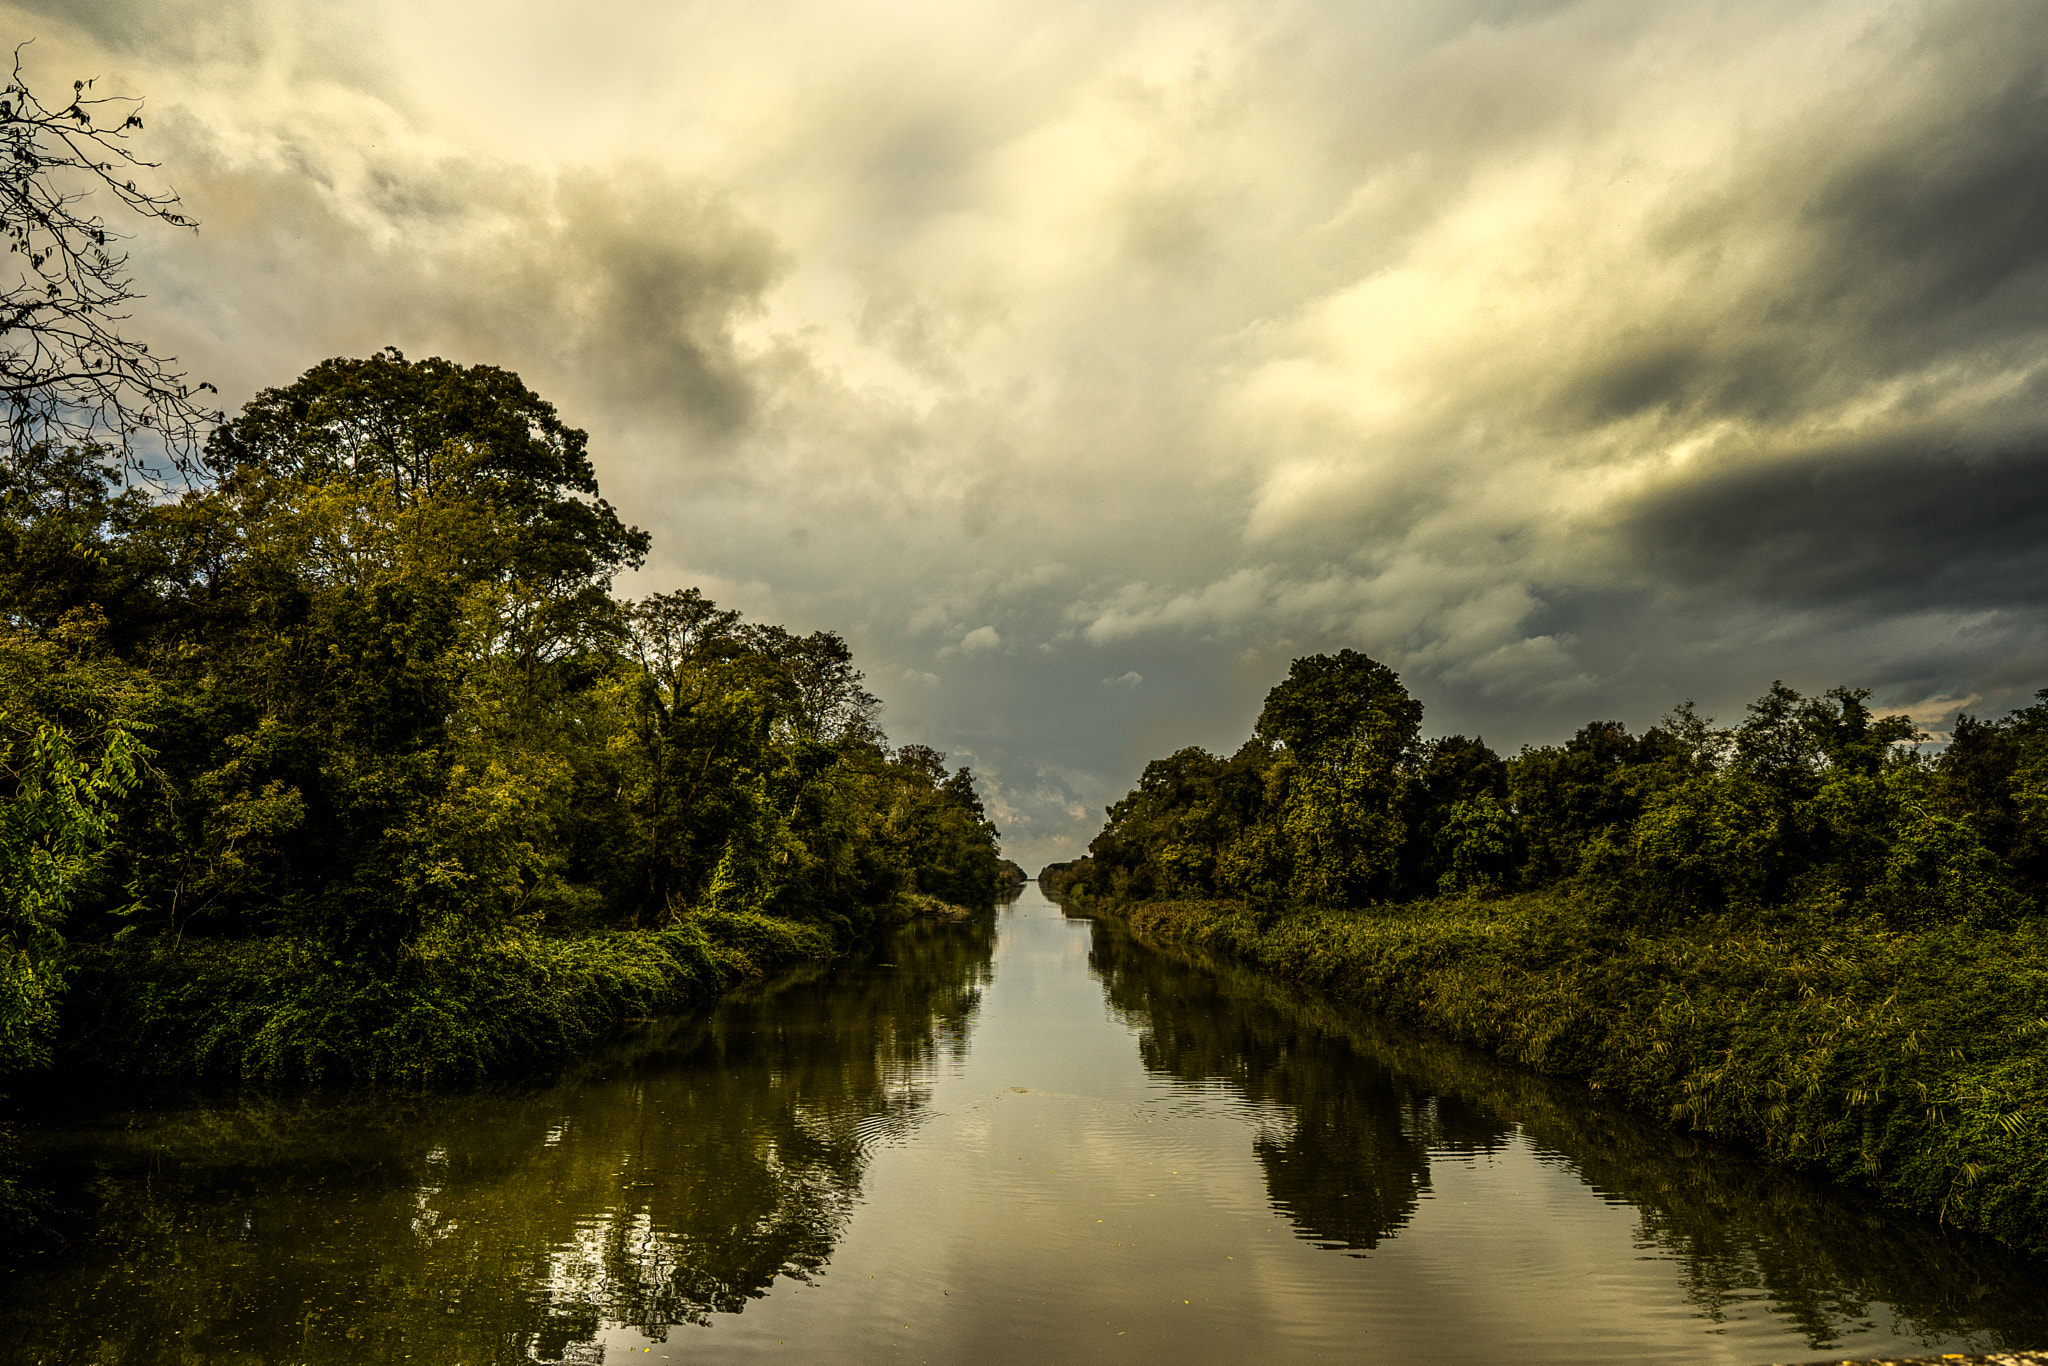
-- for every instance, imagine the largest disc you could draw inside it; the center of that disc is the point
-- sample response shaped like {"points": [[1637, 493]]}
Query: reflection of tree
{"points": [[1372, 1100], [676, 1178], [1349, 1167]]}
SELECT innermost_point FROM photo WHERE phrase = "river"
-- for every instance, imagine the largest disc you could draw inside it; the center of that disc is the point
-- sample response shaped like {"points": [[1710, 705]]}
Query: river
{"points": [[1024, 1139]]}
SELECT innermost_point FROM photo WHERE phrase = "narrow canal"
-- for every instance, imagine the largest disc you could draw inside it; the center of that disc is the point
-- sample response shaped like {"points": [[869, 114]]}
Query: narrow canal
{"points": [[1025, 1139]]}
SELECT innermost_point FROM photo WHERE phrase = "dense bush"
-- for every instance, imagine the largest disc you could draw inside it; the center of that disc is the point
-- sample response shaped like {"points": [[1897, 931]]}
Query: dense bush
{"points": [[278, 1009]]}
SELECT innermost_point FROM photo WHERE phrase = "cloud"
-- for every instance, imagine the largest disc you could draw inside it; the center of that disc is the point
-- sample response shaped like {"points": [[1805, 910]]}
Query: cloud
{"points": [[1928, 712], [1125, 680], [1572, 357], [1900, 527]]}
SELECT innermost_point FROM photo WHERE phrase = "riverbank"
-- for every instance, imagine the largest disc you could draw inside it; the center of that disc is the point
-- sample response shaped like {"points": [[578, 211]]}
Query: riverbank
{"points": [[276, 1011], [1912, 1064]]}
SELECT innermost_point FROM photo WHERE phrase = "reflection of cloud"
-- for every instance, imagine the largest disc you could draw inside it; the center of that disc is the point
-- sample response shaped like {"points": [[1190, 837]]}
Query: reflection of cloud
{"points": [[1572, 359]]}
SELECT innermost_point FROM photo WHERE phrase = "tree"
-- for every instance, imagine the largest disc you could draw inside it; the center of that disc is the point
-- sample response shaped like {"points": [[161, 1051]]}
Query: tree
{"points": [[1453, 782], [831, 704], [66, 372], [471, 438], [704, 715], [383, 666], [1329, 708], [1566, 797], [1347, 726]]}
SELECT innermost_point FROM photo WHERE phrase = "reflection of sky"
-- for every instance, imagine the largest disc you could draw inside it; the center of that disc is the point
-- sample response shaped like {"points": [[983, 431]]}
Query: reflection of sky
{"points": [[1060, 1203], [1083, 363]]}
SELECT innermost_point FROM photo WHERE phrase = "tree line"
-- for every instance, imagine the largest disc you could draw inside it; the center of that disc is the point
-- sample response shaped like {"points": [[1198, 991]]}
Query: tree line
{"points": [[360, 683], [1817, 802]]}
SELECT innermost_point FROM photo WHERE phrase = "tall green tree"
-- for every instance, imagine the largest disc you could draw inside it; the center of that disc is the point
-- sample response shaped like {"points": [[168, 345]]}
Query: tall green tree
{"points": [[1346, 727], [404, 573]]}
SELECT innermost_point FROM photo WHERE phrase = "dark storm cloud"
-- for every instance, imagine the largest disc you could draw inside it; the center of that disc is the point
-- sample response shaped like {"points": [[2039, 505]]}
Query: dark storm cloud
{"points": [[1949, 223], [1873, 532], [623, 284], [640, 281], [1911, 277], [333, 212]]}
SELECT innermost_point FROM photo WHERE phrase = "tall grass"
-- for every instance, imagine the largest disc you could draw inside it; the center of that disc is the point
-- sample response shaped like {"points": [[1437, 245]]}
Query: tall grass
{"points": [[276, 1010]]}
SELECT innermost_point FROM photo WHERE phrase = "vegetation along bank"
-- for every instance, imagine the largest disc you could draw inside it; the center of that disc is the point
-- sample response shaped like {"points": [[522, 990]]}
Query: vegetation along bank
{"points": [[343, 761], [1798, 933]]}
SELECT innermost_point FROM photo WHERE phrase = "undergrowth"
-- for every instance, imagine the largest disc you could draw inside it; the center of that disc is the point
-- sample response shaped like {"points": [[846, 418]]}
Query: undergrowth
{"points": [[277, 1010]]}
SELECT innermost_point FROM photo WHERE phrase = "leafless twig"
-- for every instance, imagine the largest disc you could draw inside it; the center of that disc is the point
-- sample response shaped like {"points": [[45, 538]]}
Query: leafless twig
{"points": [[67, 375]]}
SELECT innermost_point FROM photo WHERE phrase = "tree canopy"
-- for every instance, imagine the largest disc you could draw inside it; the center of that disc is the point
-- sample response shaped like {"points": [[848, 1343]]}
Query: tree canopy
{"points": [[364, 687], [1817, 802]]}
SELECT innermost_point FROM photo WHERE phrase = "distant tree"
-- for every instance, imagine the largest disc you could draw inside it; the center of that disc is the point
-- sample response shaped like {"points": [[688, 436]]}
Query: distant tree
{"points": [[67, 374], [1347, 727], [1454, 782], [1566, 797]]}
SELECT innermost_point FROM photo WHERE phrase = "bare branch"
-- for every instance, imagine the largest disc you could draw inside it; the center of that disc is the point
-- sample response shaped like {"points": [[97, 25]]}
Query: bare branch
{"points": [[67, 375]]}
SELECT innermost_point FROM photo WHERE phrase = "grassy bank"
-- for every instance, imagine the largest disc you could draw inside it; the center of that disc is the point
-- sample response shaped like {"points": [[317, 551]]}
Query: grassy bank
{"points": [[274, 1010], [1912, 1064]]}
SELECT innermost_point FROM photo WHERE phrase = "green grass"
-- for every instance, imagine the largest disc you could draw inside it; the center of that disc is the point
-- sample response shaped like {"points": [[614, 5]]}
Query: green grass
{"points": [[1912, 1064], [275, 1010]]}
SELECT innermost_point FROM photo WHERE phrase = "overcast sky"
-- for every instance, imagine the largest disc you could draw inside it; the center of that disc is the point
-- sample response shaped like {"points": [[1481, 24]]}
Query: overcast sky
{"points": [[1083, 363]]}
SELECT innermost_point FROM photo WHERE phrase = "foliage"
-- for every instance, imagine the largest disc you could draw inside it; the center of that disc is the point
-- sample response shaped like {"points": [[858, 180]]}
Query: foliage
{"points": [[408, 750], [1813, 802], [281, 1010], [695, 1161], [65, 759], [1343, 727], [1383, 1101]]}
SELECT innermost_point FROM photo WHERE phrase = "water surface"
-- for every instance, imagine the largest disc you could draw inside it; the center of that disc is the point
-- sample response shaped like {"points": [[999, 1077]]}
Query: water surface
{"points": [[1023, 1139]]}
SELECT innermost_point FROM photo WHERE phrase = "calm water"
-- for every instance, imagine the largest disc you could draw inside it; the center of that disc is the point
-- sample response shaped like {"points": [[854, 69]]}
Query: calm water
{"points": [[1022, 1140]]}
